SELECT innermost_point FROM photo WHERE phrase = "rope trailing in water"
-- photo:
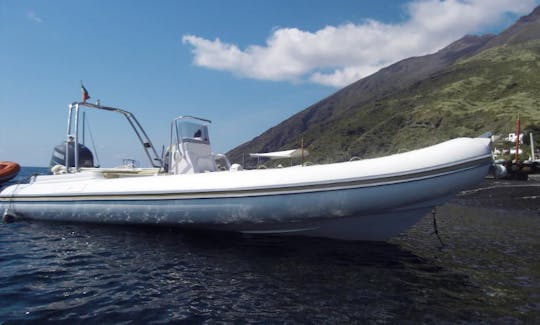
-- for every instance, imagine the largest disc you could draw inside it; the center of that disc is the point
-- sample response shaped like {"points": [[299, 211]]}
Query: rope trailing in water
{"points": [[435, 228], [9, 214]]}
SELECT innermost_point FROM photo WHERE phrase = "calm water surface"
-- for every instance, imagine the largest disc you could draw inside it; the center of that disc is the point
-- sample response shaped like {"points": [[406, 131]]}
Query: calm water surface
{"points": [[487, 272]]}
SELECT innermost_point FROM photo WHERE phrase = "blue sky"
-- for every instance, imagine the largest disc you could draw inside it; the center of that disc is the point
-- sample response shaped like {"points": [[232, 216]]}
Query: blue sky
{"points": [[245, 65]]}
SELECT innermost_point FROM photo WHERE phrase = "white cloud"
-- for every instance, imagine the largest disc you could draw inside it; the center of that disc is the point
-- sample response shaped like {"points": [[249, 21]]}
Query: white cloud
{"points": [[338, 55], [34, 17]]}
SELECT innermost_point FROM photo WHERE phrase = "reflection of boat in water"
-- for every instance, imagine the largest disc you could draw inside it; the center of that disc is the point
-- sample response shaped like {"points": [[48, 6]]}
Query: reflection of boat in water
{"points": [[8, 170], [370, 199]]}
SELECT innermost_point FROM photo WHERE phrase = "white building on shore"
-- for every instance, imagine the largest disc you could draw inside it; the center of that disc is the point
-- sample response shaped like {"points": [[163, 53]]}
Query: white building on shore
{"points": [[512, 137]]}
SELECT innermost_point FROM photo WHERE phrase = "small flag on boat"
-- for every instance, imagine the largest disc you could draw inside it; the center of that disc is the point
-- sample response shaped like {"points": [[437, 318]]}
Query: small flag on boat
{"points": [[85, 95]]}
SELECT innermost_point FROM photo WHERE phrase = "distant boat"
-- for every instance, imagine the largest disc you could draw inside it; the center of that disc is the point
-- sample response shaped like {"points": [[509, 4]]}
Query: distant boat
{"points": [[285, 154], [8, 170], [371, 199]]}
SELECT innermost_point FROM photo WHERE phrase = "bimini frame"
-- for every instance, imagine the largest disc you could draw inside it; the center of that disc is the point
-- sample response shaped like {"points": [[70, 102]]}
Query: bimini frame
{"points": [[73, 132]]}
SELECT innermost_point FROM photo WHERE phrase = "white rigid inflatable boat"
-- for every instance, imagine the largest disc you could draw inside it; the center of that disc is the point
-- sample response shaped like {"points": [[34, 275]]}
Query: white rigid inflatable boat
{"points": [[371, 199]]}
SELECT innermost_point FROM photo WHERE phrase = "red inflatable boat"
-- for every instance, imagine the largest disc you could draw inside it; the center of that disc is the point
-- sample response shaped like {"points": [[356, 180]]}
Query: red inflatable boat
{"points": [[8, 170]]}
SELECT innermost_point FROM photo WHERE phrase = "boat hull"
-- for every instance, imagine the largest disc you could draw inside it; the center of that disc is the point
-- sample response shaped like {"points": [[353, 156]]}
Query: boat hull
{"points": [[367, 211]]}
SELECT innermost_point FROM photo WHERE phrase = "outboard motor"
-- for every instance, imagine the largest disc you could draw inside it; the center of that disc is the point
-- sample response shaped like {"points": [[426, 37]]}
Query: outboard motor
{"points": [[86, 158]]}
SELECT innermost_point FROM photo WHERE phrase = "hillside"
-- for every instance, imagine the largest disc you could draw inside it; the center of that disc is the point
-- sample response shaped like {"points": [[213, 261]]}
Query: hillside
{"points": [[476, 84], [479, 94]]}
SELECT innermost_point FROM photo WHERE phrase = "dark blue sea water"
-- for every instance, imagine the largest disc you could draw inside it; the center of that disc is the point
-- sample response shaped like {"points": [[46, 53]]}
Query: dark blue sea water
{"points": [[488, 272]]}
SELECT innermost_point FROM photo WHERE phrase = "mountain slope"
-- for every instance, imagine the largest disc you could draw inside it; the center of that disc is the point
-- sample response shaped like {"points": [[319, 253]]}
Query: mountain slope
{"points": [[474, 85], [365, 90], [479, 94], [527, 28]]}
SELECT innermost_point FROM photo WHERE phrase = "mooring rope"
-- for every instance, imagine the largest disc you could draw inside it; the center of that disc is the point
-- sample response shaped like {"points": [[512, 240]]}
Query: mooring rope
{"points": [[435, 228]]}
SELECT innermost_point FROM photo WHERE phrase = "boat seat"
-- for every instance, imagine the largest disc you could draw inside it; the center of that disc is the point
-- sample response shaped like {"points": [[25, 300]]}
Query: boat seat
{"points": [[196, 157]]}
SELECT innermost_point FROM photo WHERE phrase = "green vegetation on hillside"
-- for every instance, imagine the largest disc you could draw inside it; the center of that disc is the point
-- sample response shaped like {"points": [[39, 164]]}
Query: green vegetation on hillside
{"points": [[480, 94]]}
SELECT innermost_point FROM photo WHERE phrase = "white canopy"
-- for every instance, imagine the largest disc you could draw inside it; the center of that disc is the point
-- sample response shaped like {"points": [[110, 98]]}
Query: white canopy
{"points": [[293, 153]]}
